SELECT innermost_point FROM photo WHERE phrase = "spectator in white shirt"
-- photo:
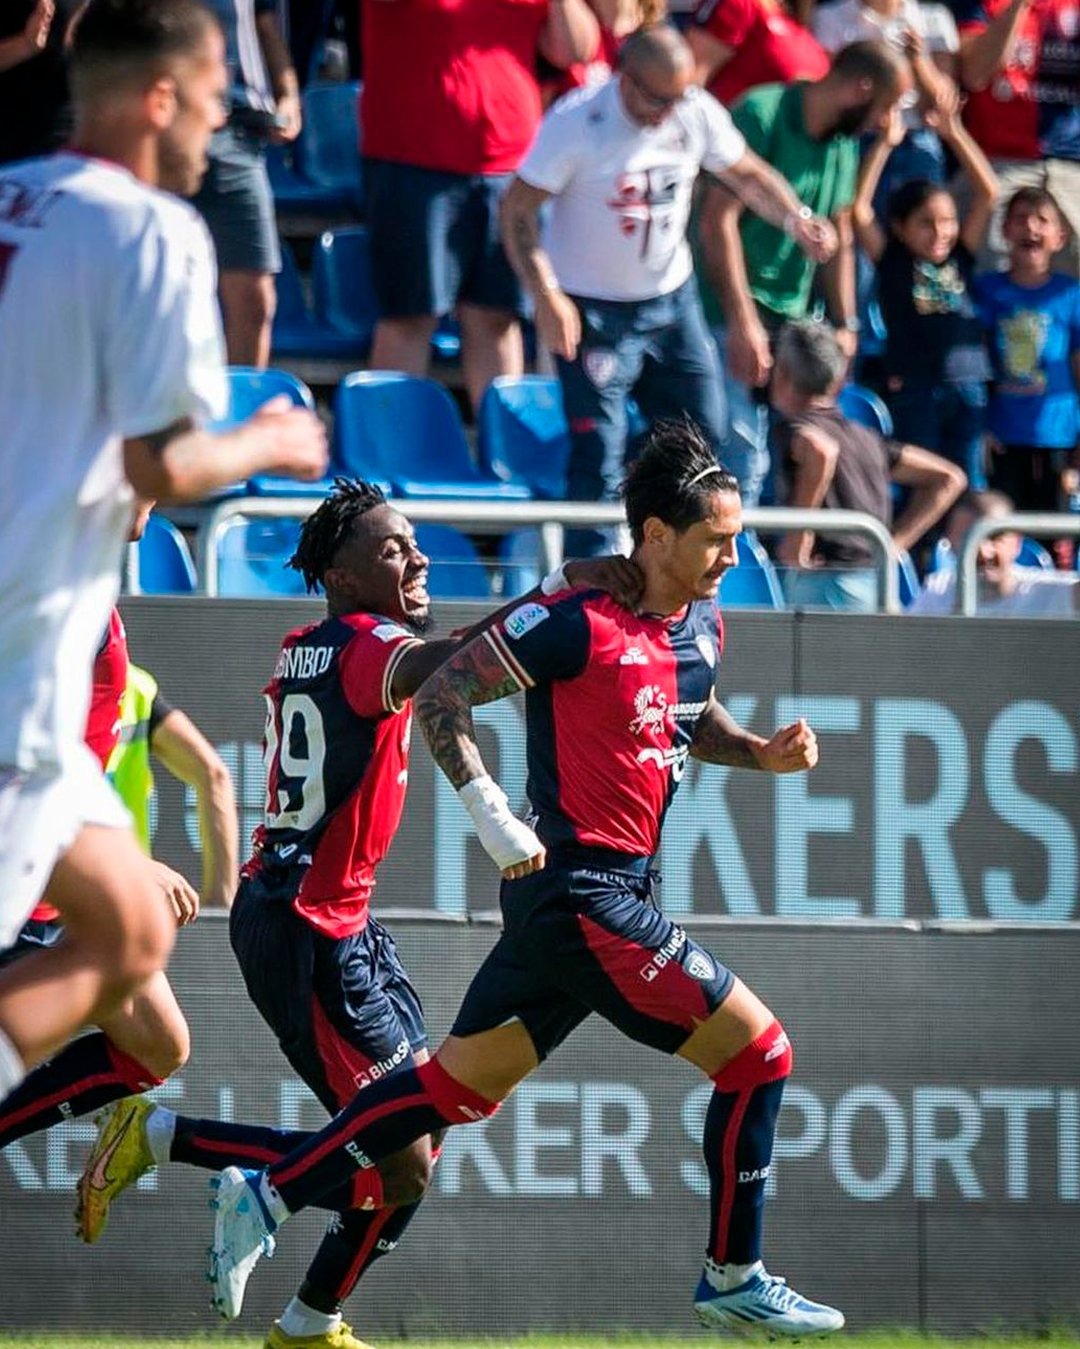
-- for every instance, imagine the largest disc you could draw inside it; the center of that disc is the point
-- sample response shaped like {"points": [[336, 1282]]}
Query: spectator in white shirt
{"points": [[615, 298]]}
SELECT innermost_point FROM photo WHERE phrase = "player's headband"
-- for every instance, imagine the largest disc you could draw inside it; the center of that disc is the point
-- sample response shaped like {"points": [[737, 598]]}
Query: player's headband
{"points": [[713, 468]]}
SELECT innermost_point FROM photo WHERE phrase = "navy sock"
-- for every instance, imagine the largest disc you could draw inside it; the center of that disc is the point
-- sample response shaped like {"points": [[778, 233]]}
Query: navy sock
{"points": [[383, 1118], [738, 1142], [80, 1079], [214, 1144], [353, 1242]]}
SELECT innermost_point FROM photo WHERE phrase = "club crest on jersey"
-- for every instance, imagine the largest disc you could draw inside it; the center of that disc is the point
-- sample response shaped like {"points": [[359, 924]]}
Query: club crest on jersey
{"points": [[699, 966], [524, 619], [650, 709], [707, 647]]}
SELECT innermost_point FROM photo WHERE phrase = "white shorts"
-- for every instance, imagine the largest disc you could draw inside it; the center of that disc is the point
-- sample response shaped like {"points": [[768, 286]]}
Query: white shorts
{"points": [[40, 815]]}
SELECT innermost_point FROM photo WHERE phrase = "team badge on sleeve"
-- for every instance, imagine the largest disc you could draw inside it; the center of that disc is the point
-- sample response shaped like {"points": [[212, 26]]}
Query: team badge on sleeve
{"points": [[524, 619]]}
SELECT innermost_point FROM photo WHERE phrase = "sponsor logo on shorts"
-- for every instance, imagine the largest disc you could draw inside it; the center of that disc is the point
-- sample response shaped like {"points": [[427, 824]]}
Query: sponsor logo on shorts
{"points": [[664, 956], [775, 1050], [700, 966], [384, 1066], [759, 1173], [361, 1158], [385, 1246], [524, 619]]}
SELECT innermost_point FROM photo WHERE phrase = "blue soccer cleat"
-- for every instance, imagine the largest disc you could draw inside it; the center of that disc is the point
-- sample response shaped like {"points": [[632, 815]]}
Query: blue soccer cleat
{"points": [[243, 1231], [763, 1305]]}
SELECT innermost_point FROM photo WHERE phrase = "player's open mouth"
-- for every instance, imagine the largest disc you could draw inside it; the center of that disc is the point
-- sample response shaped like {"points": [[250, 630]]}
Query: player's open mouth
{"points": [[415, 592]]}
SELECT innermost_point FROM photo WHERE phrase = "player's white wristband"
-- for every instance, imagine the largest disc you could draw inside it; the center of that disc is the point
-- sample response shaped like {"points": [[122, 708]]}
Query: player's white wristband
{"points": [[506, 839], [554, 581]]}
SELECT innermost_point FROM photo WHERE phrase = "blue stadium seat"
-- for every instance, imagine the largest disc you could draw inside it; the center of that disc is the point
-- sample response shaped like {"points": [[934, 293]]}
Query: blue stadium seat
{"points": [[862, 405], [456, 571], [522, 433], [252, 555], [342, 292], [249, 388], [330, 141], [164, 560], [754, 581], [297, 330], [908, 578], [321, 172], [405, 430]]}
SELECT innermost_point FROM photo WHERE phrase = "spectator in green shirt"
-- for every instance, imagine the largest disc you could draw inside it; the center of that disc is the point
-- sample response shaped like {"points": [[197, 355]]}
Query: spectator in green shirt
{"points": [[809, 132]]}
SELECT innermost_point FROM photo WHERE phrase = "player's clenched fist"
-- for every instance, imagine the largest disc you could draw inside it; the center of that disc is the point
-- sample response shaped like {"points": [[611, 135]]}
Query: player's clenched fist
{"points": [[791, 750]]}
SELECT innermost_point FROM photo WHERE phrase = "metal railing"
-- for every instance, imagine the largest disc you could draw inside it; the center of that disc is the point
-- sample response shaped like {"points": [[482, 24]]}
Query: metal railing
{"points": [[551, 518], [1036, 525]]}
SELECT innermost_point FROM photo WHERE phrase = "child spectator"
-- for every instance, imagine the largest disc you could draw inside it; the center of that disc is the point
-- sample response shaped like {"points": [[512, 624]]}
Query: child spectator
{"points": [[935, 362], [1032, 318]]}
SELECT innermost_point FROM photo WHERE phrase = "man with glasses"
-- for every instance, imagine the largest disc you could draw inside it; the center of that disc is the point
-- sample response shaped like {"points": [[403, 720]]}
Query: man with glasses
{"points": [[615, 299]]}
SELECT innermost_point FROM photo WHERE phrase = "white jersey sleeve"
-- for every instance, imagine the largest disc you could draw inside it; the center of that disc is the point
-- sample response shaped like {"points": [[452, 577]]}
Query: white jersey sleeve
{"points": [[556, 151], [724, 142], [162, 342]]}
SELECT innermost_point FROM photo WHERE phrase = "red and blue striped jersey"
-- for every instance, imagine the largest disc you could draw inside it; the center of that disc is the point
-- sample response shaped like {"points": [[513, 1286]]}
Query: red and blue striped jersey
{"points": [[336, 751], [612, 701]]}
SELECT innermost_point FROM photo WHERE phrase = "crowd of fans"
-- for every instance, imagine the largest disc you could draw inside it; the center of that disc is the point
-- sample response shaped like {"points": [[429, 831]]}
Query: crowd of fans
{"points": [[933, 149]]}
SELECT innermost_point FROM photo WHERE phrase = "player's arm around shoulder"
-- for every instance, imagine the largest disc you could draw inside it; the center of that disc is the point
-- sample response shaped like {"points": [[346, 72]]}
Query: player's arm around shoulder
{"points": [[719, 739], [477, 673]]}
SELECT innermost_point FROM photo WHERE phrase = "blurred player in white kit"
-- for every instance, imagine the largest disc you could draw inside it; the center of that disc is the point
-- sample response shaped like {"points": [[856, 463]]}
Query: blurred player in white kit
{"points": [[112, 358]]}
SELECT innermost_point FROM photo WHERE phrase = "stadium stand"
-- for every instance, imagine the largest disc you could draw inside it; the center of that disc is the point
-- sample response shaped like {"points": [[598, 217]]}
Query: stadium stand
{"points": [[862, 405], [406, 431], [456, 571], [160, 563], [321, 174], [522, 435]]}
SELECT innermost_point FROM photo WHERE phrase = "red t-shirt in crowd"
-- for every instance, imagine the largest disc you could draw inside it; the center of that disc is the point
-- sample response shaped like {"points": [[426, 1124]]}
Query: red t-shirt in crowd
{"points": [[1031, 108], [586, 73], [770, 47], [451, 84]]}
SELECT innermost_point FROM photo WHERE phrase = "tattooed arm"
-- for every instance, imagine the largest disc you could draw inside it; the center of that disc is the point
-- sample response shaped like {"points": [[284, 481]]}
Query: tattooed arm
{"points": [[443, 706], [444, 702], [719, 739], [558, 323]]}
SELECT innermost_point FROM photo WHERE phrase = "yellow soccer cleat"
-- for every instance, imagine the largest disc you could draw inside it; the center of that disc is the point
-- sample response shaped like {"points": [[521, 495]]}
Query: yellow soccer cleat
{"points": [[341, 1338], [120, 1155]]}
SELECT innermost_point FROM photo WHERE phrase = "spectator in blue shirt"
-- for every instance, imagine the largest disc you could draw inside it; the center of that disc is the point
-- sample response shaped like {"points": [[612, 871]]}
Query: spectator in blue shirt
{"points": [[1032, 317]]}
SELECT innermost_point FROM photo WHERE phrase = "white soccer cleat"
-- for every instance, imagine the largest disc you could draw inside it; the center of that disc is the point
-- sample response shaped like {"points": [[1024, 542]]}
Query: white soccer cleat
{"points": [[764, 1305], [242, 1233]]}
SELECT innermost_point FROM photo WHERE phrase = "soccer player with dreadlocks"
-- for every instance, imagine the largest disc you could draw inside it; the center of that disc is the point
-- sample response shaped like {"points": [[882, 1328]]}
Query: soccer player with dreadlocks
{"points": [[322, 971], [616, 702]]}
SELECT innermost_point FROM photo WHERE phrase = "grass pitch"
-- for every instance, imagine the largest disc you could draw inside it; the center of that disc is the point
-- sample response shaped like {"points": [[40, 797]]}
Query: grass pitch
{"points": [[1051, 1339]]}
